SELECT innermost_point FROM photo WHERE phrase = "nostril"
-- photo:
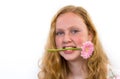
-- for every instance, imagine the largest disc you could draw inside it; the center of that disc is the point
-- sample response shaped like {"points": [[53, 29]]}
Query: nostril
{"points": [[67, 39]]}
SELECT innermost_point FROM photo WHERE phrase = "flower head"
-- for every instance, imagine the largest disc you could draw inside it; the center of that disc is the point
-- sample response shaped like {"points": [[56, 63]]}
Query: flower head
{"points": [[87, 49]]}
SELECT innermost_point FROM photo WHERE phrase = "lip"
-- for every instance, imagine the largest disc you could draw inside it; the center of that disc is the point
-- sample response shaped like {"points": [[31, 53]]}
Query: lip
{"points": [[68, 51], [69, 46]]}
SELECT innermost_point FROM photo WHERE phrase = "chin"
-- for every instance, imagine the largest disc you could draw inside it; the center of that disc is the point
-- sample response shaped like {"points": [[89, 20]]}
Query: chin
{"points": [[72, 58]]}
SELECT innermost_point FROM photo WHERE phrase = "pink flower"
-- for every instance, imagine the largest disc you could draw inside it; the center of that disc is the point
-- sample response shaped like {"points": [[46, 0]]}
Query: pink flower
{"points": [[87, 49]]}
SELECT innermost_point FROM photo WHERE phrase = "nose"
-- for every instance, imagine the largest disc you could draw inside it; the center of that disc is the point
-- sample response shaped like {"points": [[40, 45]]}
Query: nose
{"points": [[66, 39]]}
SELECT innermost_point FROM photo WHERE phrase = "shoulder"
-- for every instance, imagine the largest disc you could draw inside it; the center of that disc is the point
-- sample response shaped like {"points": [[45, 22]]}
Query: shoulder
{"points": [[113, 73]]}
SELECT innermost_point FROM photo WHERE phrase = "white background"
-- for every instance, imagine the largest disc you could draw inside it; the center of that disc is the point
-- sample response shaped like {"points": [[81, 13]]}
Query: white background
{"points": [[24, 26]]}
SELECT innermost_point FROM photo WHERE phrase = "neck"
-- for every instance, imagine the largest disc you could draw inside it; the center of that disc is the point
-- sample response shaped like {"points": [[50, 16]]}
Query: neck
{"points": [[78, 69]]}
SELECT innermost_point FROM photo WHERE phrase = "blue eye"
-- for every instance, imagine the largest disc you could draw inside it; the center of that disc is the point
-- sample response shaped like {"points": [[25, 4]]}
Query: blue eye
{"points": [[74, 31], [59, 33]]}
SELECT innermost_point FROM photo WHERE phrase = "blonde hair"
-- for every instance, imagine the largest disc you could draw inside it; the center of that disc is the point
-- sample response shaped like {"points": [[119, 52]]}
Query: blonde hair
{"points": [[55, 67]]}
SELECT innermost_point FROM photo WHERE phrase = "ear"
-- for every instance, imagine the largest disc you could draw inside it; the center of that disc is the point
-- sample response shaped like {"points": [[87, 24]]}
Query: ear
{"points": [[90, 36]]}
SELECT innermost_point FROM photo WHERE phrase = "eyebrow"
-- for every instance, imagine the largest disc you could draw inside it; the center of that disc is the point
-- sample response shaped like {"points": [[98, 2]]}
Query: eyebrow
{"points": [[58, 30], [78, 27], [69, 28]]}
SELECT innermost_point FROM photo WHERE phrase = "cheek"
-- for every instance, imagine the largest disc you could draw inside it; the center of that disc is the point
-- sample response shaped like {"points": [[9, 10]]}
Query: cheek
{"points": [[58, 42], [78, 41]]}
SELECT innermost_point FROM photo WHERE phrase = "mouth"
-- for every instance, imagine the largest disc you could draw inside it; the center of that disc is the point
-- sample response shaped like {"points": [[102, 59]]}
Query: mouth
{"points": [[68, 47], [64, 48]]}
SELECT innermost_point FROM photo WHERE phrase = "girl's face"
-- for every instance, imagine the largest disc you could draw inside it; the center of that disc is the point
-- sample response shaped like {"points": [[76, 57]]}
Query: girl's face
{"points": [[71, 32]]}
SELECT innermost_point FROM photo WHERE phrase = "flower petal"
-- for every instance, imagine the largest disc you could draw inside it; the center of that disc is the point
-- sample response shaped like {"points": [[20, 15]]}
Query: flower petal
{"points": [[87, 49]]}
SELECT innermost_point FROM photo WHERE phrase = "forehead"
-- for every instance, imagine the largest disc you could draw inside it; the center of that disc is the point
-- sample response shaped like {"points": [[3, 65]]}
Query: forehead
{"points": [[69, 19]]}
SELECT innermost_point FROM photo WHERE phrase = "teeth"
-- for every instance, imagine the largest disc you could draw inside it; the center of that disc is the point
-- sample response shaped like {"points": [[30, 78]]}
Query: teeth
{"points": [[69, 47]]}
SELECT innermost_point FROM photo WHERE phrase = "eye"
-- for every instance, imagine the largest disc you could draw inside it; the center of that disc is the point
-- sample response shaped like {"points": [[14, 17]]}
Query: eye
{"points": [[74, 31], [59, 33]]}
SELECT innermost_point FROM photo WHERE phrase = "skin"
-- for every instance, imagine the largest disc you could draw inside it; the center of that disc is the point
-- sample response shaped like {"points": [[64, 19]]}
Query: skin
{"points": [[71, 31]]}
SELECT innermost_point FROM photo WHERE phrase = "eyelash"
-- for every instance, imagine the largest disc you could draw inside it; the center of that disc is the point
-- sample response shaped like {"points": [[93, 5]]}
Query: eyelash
{"points": [[72, 32], [59, 33]]}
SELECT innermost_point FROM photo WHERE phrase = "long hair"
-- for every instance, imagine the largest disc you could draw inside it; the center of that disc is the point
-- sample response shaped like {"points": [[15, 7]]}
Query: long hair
{"points": [[53, 66]]}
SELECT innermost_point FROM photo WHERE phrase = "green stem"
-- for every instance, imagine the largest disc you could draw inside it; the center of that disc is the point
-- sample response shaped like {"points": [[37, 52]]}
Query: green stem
{"points": [[56, 50]]}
